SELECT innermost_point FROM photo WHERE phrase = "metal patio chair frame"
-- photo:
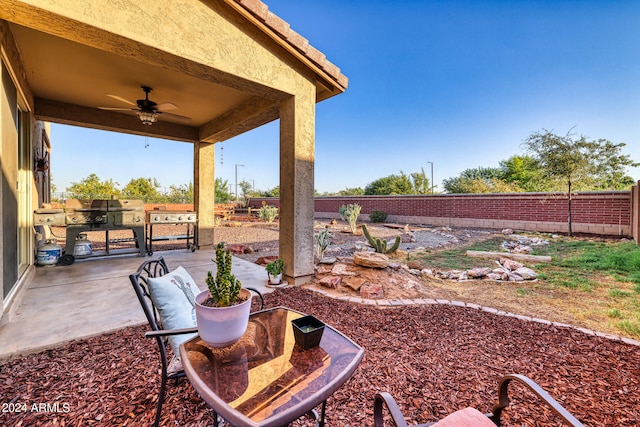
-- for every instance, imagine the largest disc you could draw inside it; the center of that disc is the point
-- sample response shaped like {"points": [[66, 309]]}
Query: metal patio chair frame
{"points": [[140, 281], [383, 399]]}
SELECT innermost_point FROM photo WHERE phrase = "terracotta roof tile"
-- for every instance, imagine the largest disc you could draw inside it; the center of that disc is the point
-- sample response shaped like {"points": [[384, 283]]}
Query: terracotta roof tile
{"points": [[261, 11]]}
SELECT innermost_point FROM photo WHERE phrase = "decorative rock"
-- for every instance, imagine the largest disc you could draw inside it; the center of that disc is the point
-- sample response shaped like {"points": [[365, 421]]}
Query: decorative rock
{"points": [[426, 272], [476, 273], [237, 249], [414, 265], [414, 271], [341, 270], [515, 277], [328, 260], [249, 250], [510, 264], [371, 259], [371, 291], [526, 273], [322, 269], [408, 238], [354, 283], [507, 231], [395, 266], [264, 260], [494, 276], [331, 281]]}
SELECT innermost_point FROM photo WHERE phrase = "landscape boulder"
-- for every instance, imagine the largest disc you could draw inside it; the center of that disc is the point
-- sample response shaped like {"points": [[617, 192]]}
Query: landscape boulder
{"points": [[526, 273], [371, 291], [354, 283], [476, 273], [371, 259], [331, 281], [341, 270], [510, 264]]}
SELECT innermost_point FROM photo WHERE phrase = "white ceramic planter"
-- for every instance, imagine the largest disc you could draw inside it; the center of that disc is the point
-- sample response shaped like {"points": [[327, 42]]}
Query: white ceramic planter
{"points": [[275, 280], [222, 326]]}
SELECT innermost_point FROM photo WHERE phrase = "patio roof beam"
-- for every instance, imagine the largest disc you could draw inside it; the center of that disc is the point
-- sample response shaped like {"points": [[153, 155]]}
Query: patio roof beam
{"points": [[77, 115], [250, 115]]}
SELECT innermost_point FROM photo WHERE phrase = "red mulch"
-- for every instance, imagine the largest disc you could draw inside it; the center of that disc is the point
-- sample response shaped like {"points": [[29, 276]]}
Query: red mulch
{"points": [[433, 359]]}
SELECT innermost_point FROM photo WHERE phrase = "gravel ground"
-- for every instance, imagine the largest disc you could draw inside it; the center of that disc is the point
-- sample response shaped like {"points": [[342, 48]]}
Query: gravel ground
{"points": [[433, 359], [263, 238]]}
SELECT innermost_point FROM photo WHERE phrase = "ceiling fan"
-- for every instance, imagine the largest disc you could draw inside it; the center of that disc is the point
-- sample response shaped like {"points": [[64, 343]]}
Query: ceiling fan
{"points": [[148, 110]]}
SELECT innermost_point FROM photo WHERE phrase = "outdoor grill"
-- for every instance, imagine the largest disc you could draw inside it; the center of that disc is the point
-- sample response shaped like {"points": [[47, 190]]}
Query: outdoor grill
{"points": [[162, 217], [81, 216]]}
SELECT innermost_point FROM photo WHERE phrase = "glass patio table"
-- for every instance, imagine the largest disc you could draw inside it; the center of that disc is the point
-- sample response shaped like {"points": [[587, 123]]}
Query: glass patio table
{"points": [[265, 380]]}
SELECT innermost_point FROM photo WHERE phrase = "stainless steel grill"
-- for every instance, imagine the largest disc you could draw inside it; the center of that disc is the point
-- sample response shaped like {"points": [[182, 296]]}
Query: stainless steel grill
{"points": [[81, 216], [161, 217], [166, 217]]}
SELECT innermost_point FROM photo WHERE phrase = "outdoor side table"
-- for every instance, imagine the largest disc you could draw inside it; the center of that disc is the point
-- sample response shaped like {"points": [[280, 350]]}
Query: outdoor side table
{"points": [[265, 380]]}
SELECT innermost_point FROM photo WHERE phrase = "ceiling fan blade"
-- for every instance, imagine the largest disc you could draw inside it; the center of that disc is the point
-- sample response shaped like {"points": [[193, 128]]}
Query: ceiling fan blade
{"points": [[126, 101], [117, 109], [176, 117], [166, 106]]}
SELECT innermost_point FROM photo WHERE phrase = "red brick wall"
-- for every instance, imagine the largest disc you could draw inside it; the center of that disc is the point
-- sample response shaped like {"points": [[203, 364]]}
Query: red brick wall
{"points": [[595, 212]]}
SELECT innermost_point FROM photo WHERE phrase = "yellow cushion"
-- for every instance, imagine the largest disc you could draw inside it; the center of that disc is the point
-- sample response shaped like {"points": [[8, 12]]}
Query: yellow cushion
{"points": [[467, 417]]}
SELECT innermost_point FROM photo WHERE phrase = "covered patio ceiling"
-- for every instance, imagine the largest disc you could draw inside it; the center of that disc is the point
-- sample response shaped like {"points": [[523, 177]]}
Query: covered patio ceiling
{"points": [[73, 71]]}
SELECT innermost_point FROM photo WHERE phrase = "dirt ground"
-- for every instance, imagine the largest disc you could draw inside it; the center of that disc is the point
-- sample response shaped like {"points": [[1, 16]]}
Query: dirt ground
{"points": [[529, 298]]}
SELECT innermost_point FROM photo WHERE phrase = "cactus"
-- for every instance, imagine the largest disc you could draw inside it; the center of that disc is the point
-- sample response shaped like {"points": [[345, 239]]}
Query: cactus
{"points": [[225, 288], [322, 242], [350, 213], [380, 245], [268, 213]]}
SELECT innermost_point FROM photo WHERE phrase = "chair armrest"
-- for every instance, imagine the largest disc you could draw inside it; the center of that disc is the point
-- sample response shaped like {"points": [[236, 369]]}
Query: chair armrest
{"points": [[503, 401], [384, 398], [257, 292], [168, 332]]}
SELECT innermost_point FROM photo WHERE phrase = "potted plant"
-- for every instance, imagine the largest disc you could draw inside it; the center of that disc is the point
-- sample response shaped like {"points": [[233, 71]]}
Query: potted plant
{"points": [[274, 270], [222, 311]]}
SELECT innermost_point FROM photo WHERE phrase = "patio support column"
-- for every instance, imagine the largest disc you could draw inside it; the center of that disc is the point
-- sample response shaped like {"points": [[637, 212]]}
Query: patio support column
{"points": [[204, 191], [297, 156]]}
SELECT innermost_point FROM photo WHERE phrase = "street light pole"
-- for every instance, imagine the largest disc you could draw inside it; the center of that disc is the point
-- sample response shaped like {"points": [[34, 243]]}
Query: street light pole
{"points": [[237, 181], [431, 163]]}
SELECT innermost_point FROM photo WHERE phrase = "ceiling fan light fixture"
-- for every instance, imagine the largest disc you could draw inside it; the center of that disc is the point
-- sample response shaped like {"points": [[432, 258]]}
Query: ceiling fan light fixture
{"points": [[147, 118]]}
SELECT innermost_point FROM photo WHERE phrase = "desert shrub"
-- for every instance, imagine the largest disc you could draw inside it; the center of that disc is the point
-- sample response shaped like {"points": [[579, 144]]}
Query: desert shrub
{"points": [[378, 216]]}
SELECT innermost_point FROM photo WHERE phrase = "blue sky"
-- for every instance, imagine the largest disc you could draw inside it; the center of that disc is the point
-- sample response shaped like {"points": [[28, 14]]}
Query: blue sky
{"points": [[457, 83]]}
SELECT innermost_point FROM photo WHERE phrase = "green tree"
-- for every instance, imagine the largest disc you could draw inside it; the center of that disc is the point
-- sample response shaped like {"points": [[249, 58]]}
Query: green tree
{"points": [[420, 182], [180, 193], [525, 172], [221, 189], [145, 189], [581, 163], [274, 192], [391, 184], [475, 180], [247, 189], [92, 187], [356, 191]]}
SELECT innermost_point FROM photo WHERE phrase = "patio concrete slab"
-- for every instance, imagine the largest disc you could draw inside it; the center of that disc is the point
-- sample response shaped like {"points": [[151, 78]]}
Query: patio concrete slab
{"points": [[94, 296]]}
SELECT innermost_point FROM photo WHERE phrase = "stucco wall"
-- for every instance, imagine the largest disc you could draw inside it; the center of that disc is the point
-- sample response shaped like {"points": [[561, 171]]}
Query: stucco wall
{"points": [[604, 213]]}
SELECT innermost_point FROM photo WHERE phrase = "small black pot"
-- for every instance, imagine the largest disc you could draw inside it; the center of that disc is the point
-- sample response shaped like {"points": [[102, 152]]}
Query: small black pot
{"points": [[307, 331]]}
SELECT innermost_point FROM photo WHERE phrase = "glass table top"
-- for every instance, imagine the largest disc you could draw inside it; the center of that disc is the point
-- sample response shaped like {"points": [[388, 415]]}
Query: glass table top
{"points": [[265, 379]]}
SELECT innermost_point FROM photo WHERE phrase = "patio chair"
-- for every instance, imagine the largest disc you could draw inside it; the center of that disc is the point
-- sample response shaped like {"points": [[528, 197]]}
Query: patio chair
{"points": [[148, 274], [469, 417]]}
